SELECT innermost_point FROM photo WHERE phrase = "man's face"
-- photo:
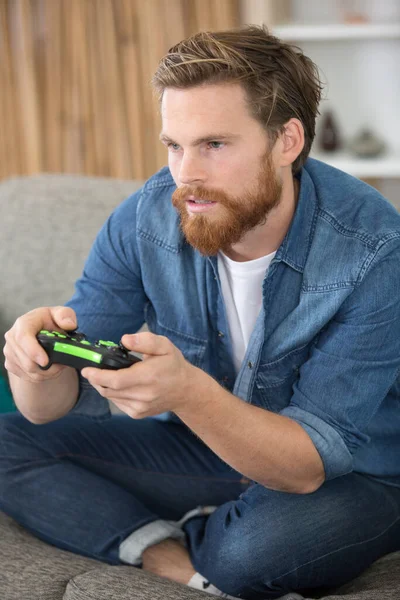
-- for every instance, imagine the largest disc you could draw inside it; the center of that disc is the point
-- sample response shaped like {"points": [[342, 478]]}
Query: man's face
{"points": [[219, 158]]}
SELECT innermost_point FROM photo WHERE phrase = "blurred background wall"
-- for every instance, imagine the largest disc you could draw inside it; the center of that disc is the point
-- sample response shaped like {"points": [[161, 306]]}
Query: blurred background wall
{"points": [[75, 94]]}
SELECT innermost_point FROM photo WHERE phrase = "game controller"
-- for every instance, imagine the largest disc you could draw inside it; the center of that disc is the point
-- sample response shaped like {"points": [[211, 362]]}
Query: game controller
{"points": [[74, 350]]}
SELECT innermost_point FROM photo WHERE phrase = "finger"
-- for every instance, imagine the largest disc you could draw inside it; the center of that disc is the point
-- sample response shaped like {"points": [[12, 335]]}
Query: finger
{"points": [[21, 365], [147, 343], [118, 379], [23, 338], [14, 368], [64, 317], [104, 378], [13, 365], [18, 354]]}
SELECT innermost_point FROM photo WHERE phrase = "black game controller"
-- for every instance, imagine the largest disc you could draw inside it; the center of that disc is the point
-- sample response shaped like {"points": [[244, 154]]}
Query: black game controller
{"points": [[74, 350]]}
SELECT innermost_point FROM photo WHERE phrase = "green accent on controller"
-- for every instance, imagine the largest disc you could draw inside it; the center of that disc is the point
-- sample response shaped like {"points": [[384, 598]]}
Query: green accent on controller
{"points": [[110, 344], [79, 352], [52, 333], [85, 342]]}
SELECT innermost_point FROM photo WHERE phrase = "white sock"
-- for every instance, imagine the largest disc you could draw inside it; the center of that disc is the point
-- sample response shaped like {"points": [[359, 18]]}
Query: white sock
{"points": [[198, 582]]}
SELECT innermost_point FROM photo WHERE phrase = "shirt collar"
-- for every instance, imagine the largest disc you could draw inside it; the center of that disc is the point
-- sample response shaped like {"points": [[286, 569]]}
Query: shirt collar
{"points": [[297, 242]]}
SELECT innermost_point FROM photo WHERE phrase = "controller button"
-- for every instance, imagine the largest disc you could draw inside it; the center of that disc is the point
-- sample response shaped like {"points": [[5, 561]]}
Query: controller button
{"points": [[78, 336], [107, 344]]}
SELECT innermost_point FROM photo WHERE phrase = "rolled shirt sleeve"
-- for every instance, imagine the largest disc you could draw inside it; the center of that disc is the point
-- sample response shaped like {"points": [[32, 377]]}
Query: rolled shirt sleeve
{"points": [[109, 297], [353, 366]]}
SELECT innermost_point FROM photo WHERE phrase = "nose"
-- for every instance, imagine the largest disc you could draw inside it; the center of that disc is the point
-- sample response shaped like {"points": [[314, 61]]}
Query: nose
{"points": [[191, 171]]}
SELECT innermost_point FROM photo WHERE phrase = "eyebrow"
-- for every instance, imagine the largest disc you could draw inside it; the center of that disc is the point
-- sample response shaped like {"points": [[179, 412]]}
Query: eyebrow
{"points": [[207, 138]]}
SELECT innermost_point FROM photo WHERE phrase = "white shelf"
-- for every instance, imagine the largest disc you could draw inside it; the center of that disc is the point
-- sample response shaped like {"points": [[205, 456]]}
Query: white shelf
{"points": [[364, 168], [322, 32]]}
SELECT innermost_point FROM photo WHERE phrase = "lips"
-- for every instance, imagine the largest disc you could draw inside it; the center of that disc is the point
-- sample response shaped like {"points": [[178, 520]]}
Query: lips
{"points": [[199, 204], [198, 201]]}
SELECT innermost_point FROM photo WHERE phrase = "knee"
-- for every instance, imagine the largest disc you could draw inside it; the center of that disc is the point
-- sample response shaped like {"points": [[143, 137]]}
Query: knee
{"points": [[243, 565], [251, 554]]}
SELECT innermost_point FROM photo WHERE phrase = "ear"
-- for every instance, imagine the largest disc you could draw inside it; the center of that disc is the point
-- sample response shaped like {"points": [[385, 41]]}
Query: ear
{"points": [[291, 142]]}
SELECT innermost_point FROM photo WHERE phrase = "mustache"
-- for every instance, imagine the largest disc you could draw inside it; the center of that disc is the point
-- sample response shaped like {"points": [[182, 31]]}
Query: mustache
{"points": [[182, 193]]}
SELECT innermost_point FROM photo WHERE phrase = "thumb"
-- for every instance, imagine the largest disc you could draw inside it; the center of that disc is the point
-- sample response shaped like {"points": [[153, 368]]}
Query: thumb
{"points": [[147, 343], [64, 317]]}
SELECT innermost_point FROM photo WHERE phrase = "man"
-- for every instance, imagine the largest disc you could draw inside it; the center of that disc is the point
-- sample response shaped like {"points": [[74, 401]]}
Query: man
{"points": [[268, 458]]}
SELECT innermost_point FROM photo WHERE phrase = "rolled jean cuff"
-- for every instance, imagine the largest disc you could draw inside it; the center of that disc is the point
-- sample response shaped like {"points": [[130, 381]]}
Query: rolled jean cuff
{"points": [[132, 548]]}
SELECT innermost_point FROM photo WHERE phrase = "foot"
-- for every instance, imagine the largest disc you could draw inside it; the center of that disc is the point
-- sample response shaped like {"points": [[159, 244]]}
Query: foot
{"points": [[169, 559]]}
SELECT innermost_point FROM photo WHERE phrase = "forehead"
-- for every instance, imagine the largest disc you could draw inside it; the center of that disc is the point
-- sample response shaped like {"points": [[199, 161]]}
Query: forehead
{"points": [[223, 104]]}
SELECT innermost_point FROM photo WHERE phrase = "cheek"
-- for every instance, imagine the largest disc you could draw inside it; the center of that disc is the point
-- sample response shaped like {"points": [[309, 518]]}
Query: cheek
{"points": [[174, 165], [236, 177]]}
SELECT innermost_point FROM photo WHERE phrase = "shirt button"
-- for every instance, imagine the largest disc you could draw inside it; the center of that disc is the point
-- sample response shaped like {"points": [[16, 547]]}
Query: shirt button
{"points": [[220, 334], [250, 364]]}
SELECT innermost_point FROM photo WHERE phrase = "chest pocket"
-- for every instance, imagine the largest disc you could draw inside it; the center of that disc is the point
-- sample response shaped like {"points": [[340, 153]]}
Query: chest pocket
{"points": [[275, 380], [192, 348]]}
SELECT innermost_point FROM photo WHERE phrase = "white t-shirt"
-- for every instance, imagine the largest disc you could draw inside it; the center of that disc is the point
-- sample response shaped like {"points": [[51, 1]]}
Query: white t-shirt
{"points": [[241, 284]]}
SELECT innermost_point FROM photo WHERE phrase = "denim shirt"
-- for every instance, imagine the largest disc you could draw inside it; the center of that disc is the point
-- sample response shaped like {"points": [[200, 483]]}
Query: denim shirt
{"points": [[325, 350]]}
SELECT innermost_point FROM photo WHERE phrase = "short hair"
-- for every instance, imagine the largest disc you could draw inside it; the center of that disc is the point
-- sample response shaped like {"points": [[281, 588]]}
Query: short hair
{"points": [[279, 80]]}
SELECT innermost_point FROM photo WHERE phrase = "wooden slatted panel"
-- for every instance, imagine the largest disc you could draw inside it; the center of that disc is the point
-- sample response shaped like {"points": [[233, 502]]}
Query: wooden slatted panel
{"points": [[130, 57], [27, 91], [7, 151], [75, 81], [53, 86]]}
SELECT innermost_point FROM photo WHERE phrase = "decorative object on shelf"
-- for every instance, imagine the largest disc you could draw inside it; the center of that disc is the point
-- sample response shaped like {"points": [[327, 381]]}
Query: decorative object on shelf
{"points": [[367, 144], [353, 11], [329, 137]]}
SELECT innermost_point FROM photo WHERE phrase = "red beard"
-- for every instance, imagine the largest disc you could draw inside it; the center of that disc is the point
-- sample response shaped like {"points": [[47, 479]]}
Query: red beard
{"points": [[233, 217]]}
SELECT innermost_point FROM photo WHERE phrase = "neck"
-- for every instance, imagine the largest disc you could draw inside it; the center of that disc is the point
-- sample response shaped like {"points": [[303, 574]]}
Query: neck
{"points": [[267, 238]]}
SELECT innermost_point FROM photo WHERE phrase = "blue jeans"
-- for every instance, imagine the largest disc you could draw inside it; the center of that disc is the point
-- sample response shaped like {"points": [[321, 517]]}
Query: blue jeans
{"points": [[85, 485]]}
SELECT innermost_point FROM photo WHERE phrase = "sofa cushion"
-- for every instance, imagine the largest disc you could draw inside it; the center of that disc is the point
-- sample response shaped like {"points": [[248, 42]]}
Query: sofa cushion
{"points": [[127, 583], [380, 582], [47, 226], [33, 570]]}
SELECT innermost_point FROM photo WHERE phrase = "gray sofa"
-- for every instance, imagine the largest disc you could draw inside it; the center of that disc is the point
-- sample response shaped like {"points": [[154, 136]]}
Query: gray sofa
{"points": [[47, 225]]}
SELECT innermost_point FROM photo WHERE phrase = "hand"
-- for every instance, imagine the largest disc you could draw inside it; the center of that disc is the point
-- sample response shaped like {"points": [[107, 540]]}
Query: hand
{"points": [[162, 382], [22, 351]]}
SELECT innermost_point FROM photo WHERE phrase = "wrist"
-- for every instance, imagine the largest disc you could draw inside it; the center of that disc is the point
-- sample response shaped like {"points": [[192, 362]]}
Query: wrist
{"points": [[199, 391]]}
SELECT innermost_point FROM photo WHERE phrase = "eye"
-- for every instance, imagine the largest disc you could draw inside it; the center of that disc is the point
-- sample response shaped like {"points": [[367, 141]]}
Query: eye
{"points": [[216, 145], [172, 146]]}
